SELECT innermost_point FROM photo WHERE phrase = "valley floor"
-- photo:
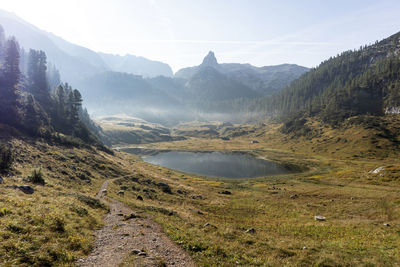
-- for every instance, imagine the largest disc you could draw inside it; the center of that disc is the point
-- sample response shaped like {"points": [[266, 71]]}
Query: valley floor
{"points": [[265, 221]]}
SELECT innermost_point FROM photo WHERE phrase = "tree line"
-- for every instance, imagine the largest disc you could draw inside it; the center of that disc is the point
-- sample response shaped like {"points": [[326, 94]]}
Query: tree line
{"points": [[34, 100]]}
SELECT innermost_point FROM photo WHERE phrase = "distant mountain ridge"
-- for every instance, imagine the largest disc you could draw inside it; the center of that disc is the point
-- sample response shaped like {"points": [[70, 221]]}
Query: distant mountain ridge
{"points": [[73, 61], [264, 80]]}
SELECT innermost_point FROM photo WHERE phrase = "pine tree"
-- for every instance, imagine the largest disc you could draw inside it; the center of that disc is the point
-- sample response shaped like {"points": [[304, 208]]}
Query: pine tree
{"points": [[37, 79], [9, 78]]}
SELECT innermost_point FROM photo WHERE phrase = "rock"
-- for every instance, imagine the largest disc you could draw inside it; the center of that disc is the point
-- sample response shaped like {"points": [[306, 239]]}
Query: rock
{"points": [[197, 197], [1, 180], [139, 198], [135, 252], [377, 170], [82, 176], [254, 142], [209, 225], [179, 191], [143, 254], [304, 247], [104, 191], [386, 224], [250, 231], [121, 193], [130, 216], [319, 218], [294, 196], [226, 192], [165, 187], [198, 212], [27, 189]]}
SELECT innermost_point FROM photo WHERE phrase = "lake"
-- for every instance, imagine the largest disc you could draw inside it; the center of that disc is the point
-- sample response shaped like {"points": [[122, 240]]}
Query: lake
{"points": [[217, 164]]}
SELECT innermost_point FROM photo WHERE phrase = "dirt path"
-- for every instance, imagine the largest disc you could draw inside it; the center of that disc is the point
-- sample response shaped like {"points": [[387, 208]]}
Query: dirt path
{"points": [[121, 237]]}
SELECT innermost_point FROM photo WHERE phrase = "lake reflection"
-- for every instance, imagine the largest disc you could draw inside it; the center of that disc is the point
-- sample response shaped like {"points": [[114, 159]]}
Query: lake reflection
{"points": [[217, 164]]}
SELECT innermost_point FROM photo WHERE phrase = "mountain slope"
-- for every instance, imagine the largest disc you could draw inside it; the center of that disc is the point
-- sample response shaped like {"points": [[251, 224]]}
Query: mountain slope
{"points": [[136, 65], [75, 62], [264, 80], [365, 81]]}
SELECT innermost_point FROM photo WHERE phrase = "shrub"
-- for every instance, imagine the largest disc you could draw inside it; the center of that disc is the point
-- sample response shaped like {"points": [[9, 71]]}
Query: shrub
{"points": [[36, 177], [6, 157]]}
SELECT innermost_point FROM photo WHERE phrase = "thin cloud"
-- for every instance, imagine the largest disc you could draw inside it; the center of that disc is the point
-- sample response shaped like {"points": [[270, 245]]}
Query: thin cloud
{"points": [[230, 42]]}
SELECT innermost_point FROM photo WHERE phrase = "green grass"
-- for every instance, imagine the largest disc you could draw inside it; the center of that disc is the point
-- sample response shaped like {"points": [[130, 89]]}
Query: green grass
{"points": [[355, 202], [54, 226]]}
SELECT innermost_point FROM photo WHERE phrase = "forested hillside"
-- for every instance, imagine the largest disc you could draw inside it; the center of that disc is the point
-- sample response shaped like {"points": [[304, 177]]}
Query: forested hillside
{"points": [[363, 81], [34, 101]]}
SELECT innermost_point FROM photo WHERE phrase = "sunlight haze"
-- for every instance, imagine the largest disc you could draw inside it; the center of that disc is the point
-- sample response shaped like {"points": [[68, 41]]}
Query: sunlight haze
{"points": [[180, 33]]}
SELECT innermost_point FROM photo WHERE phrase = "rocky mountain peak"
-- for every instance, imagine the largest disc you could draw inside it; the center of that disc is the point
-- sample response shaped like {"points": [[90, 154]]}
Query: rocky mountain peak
{"points": [[210, 60]]}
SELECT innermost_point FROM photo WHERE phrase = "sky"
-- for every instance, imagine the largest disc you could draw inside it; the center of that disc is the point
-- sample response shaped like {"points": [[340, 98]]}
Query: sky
{"points": [[181, 32]]}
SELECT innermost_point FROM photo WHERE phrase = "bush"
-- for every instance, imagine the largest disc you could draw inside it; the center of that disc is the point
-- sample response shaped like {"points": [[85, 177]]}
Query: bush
{"points": [[6, 157], [36, 177]]}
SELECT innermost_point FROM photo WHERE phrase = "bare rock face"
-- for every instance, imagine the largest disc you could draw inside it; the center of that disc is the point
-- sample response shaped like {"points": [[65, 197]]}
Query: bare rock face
{"points": [[210, 60]]}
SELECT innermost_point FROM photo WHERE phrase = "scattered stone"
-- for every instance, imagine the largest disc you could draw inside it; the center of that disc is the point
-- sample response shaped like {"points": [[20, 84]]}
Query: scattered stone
{"points": [[226, 192], [135, 252], [254, 142], [139, 198], [121, 193], [294, 196], [27, 189], [304, 247], [165, 187], [250, 231], [198, 212], [104, 191], [386, 224], [143, 254], [377, 170], [209, 225], [130, 216], [319, 218]]}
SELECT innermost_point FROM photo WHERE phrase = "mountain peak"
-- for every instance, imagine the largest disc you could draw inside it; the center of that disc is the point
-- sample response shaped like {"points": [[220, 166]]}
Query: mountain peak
{"points": [[210, 60]]}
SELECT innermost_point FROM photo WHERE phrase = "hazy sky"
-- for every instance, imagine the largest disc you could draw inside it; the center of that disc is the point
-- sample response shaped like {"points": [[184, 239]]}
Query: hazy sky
{"points": [[181, 32]]}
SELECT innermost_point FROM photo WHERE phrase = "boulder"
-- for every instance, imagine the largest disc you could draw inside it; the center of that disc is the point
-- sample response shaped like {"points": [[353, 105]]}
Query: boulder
{"points": [[27, 189], [377, 170], [250, 231], [319, 218], [165, 187]]}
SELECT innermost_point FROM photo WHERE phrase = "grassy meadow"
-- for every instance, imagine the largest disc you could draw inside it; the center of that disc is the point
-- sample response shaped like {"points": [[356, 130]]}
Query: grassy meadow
{"points": [[362, 209]]}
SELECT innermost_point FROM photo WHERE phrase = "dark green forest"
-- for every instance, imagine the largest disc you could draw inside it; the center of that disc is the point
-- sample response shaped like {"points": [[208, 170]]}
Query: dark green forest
{"points": [[359, 82], [34, 101]]}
